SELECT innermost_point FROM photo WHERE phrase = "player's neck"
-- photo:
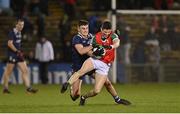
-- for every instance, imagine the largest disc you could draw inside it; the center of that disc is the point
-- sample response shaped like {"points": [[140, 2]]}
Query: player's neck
{"points": [[84, 36]]}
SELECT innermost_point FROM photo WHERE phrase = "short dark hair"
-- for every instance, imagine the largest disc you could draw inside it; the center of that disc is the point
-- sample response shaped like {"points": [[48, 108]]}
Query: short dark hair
{"points": [[83, 22], [19, 20], [106, 25]]}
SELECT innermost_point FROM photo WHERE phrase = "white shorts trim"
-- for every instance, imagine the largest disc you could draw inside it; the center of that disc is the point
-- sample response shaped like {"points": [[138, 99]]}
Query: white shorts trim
{"points": [[100, 67]]}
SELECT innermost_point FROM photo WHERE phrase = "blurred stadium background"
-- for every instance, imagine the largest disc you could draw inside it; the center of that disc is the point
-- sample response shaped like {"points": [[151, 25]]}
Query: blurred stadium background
{"points": [[150, 37]]}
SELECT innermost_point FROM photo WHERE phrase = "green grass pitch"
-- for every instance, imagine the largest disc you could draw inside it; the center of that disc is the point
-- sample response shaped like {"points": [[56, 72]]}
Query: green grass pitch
{"points": [[145, 97]]}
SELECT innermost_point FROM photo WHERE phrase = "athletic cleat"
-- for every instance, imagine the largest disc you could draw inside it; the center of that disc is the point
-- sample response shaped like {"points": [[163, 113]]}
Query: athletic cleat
{"points": [[74, 97], [6, 91], [122, 101], [64, 87], [82, 101], [31, 90]]}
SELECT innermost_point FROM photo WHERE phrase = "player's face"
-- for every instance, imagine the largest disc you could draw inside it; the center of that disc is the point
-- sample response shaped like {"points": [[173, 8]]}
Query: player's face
{"points": [[20, 25], [106, 32], [84, 30]]}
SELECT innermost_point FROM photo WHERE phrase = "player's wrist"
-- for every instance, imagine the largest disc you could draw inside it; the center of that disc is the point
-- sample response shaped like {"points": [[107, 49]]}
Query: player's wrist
{"points": [[112, 46]]}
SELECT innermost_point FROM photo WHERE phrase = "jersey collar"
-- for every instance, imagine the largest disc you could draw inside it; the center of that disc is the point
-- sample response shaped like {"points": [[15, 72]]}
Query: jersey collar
{"points": [[16, 31]]}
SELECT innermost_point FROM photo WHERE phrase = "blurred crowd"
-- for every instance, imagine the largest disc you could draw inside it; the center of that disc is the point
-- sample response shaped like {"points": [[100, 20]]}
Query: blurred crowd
{"points": [[162, 34]]}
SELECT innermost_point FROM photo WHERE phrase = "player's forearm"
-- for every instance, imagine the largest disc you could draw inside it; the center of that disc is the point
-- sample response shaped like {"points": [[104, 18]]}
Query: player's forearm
{"points": [[11, 46], [116, 43], [85, 50], [90, 53]]}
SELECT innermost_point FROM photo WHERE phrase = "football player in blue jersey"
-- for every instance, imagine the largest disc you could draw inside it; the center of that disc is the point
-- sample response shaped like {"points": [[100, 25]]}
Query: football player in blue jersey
{"points": [[81, 50], [15, 56]]}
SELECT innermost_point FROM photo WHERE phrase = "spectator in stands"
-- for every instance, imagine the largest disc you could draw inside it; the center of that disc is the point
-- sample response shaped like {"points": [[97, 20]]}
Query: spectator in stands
{"points": [[35, 7], [94, 24], [69, 8], [5, 7], [153, 61], [28, 28], [44, 7], [41, 25], [168, 23], [148, 4], [18, 7], [98, 5], [138, 56], [164, 39], [152, 54], [155, 22], [151, 37], [44, 53], [125, 40], [64, 29], [163, 4]]}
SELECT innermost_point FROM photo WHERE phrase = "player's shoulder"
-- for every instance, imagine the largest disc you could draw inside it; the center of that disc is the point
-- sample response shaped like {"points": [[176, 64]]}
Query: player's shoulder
{"points": [[114, 36], [77, 36], [77, 39], [10, 32]]}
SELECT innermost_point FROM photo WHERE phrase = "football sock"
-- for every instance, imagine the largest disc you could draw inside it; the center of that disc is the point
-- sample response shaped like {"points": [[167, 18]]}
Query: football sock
{"points": [[116, 98]]}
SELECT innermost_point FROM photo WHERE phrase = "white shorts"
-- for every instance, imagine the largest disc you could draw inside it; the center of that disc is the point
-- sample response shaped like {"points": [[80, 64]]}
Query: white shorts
{"points": [[100, 67]]}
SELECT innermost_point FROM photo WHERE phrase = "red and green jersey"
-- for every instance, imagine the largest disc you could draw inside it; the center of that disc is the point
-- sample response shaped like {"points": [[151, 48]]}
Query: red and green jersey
{"points": [[110, 54]]}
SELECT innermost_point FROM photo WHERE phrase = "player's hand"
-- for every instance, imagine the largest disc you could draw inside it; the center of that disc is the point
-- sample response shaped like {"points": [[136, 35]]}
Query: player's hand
{"points": [[20, 54], [108, 46], [99, 51]]}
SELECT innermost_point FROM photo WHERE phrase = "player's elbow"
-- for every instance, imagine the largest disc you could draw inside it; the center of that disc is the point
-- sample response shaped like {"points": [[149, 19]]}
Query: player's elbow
{"points": [[82, 52], [9, 44], [116, 44]]}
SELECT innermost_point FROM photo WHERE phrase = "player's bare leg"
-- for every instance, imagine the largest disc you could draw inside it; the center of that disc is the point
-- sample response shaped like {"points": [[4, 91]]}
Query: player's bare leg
{"points": [[110, 88], [75, 89], [99, 83], [86, 67], [24, 70], [7, 72]]}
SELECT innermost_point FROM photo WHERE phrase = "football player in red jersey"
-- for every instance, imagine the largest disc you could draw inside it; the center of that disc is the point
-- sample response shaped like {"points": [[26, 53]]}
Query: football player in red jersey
{"points": [[109, 40]]}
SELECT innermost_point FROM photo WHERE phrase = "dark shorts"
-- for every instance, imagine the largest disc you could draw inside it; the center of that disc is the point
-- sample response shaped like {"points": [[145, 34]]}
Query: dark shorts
{"points": [[15, 59]]}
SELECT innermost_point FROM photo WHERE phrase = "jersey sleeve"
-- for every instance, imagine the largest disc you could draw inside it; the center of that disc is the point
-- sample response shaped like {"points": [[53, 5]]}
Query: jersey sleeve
{"points": [[76, 40], [10, 35], [114, 36], [93, 41]]}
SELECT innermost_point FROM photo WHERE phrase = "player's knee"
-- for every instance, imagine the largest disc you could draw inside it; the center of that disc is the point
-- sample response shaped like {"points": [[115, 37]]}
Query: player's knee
{"points": [[107, 83], [25, 71]]}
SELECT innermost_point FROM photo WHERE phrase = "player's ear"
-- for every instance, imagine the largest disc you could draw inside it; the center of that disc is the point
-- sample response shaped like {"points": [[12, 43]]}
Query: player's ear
{"points": [[78, 28]]}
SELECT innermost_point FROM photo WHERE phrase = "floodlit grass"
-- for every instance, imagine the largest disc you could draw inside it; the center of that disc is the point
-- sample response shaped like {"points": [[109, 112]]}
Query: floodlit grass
{"points": [[149, 97]]}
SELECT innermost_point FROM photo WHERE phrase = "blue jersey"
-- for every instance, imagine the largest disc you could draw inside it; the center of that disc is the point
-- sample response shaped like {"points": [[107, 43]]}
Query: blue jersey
{"points": [[15, 36], [78, 59]]}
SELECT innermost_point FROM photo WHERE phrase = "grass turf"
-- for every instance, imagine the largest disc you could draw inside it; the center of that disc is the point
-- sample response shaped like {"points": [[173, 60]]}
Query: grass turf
{"points": [[145, 97]]}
